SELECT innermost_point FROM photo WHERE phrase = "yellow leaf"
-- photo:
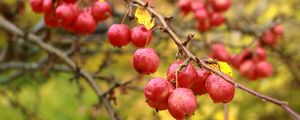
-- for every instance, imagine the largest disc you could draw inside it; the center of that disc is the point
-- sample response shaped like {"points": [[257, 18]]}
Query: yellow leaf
{"points": [[144, 17], [223, 67]]}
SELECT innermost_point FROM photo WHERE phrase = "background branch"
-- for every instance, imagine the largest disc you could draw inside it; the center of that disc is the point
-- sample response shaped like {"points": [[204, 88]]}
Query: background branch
{"points": [[71, 64]]}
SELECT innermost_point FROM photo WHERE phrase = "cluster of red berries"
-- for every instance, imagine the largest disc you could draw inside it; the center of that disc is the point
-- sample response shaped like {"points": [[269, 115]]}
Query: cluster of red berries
{"points": [[208, 14], [120, 35], [145, 60], [177, 92], [69, 15], [271, 36], [252, 64], [176, 95]]}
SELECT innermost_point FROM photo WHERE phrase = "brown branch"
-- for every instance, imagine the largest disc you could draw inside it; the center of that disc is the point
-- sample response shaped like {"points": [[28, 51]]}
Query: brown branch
{"points": [[117, 85], [201, 63], [7, 25]]}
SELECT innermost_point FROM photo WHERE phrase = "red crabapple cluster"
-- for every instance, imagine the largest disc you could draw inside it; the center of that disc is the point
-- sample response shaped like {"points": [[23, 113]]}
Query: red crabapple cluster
{"points": [[271, 36], [251, 63], [72, 17], [145, 60], [177, 92], [208, 14]]}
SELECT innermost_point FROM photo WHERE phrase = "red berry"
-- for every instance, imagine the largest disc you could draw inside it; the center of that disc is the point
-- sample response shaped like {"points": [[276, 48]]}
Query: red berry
{"points": [[140, 36], [101, 10], [85, 23], [203, 26], [240, 58], [199, 86], [217, 19], [119, 35], [36, 5], [182, 103], [259, 54], [185, 6], [158, 105], [220, 5], [247, 69], [51, 20], [197, 5], [277, 30], [268, 38], [145, 61], [48, 6], [186, 77], [264, 69], [201, 15], [219, 90], [67, 13], [157, 91], [219, 52]]}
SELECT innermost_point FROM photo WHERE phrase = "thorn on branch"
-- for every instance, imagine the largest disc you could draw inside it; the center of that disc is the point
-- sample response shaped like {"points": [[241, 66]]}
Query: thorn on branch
{"points": [[146, 5], [168, 20], [188, 39]]}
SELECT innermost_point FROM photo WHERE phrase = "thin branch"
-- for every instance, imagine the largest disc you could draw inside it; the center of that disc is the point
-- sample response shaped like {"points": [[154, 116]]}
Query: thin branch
{"points": [[201, 63]]}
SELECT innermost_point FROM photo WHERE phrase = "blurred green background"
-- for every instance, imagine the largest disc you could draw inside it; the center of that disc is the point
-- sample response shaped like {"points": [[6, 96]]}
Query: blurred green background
{"points": [[53, 96]]}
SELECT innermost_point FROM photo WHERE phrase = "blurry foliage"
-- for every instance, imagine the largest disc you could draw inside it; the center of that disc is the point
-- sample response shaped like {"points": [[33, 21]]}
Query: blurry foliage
{"points": [[54, 96]]}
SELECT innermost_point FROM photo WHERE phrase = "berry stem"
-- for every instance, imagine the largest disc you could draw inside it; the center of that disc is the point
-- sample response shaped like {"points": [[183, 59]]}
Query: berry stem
{"points": [[125, 15], [225, 111]]}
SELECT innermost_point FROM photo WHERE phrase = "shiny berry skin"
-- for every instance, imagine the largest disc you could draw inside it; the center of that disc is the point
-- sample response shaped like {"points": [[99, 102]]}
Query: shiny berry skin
{"points": [[199, 86], [157, 105], [36, 5], [85, 23], [259, 54], [101, 10], [140, 36], [186, 77], [277, 30], [220, 5], [185, 6], [219, 90], [201, 15], [119, 35], [145, 61], [217, 19], [197, 5], [182, 103], [67, 13], [157, 91], [48, 6], [264, 69], [268, 38], [219, 52], [247, 69]]}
